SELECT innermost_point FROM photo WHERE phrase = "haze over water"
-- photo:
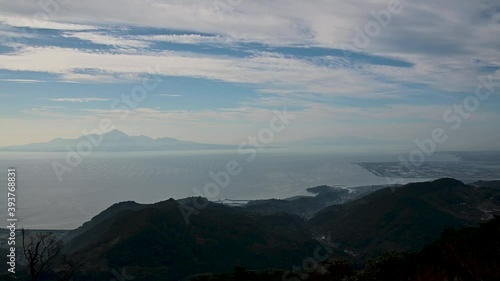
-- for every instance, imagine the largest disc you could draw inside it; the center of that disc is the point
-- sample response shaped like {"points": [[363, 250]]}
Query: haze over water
{"points": [[103, 179]]}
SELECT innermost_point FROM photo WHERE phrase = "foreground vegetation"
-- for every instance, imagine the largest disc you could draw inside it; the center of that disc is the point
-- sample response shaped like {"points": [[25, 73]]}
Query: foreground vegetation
{"points": [[424, 231]]}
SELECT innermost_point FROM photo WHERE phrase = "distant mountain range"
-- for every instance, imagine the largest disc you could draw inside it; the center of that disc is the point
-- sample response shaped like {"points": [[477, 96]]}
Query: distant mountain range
{"points": [[119, 141], [116, 141], [343, 141]]}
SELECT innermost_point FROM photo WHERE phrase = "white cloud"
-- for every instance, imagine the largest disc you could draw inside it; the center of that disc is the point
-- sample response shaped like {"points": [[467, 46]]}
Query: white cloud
{"points": [[169, 95], [99, 77], [463, 26], [24, 81], [444, 40], [46, 111], [78, 99], [281, 71], [14, 34], [440, 38], [315, 120], [105, 39], [37, 23], [187, 38]]}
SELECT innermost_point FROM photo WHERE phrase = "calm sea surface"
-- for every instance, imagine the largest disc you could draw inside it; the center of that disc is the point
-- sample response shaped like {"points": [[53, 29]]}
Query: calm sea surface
{"points": [[103, 179]]}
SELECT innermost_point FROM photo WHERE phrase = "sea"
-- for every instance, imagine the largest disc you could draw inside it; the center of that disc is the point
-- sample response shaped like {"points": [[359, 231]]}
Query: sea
{"points": [[98, 180]]}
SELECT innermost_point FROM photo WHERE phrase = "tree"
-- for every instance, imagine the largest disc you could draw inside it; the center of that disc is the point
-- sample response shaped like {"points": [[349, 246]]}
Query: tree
{"points": [[40, 250], [69, 267]]}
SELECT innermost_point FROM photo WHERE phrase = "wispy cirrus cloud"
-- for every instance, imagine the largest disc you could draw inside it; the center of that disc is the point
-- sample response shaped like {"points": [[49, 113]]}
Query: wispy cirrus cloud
{"points": [[301, 74], [233, 65], [170, 95], [24, 81], [107, 39], [78, 99], [188, 38], [29, 21], [46, 111]]}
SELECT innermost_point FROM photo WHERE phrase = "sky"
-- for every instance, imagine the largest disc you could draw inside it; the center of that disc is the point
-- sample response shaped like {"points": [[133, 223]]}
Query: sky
{"points": [[214, 71]]}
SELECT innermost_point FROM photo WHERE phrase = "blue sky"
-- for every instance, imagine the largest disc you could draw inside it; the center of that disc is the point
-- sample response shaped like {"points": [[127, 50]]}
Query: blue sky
{"points": [[344, 68]]}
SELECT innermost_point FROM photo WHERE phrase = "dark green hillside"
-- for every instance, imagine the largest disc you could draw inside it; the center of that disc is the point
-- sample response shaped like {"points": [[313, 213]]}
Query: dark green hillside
{"points": [[465, 254], [306, 206], [405, 218], [155, 240], [106, 214]]}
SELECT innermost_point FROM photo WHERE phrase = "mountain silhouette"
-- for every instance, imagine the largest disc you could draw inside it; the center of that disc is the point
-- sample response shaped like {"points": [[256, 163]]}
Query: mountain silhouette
{"points": [[116, 140]]}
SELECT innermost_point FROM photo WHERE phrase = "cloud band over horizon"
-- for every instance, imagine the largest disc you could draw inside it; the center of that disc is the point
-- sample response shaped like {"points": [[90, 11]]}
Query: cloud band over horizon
{"points": [[382, 69]]}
